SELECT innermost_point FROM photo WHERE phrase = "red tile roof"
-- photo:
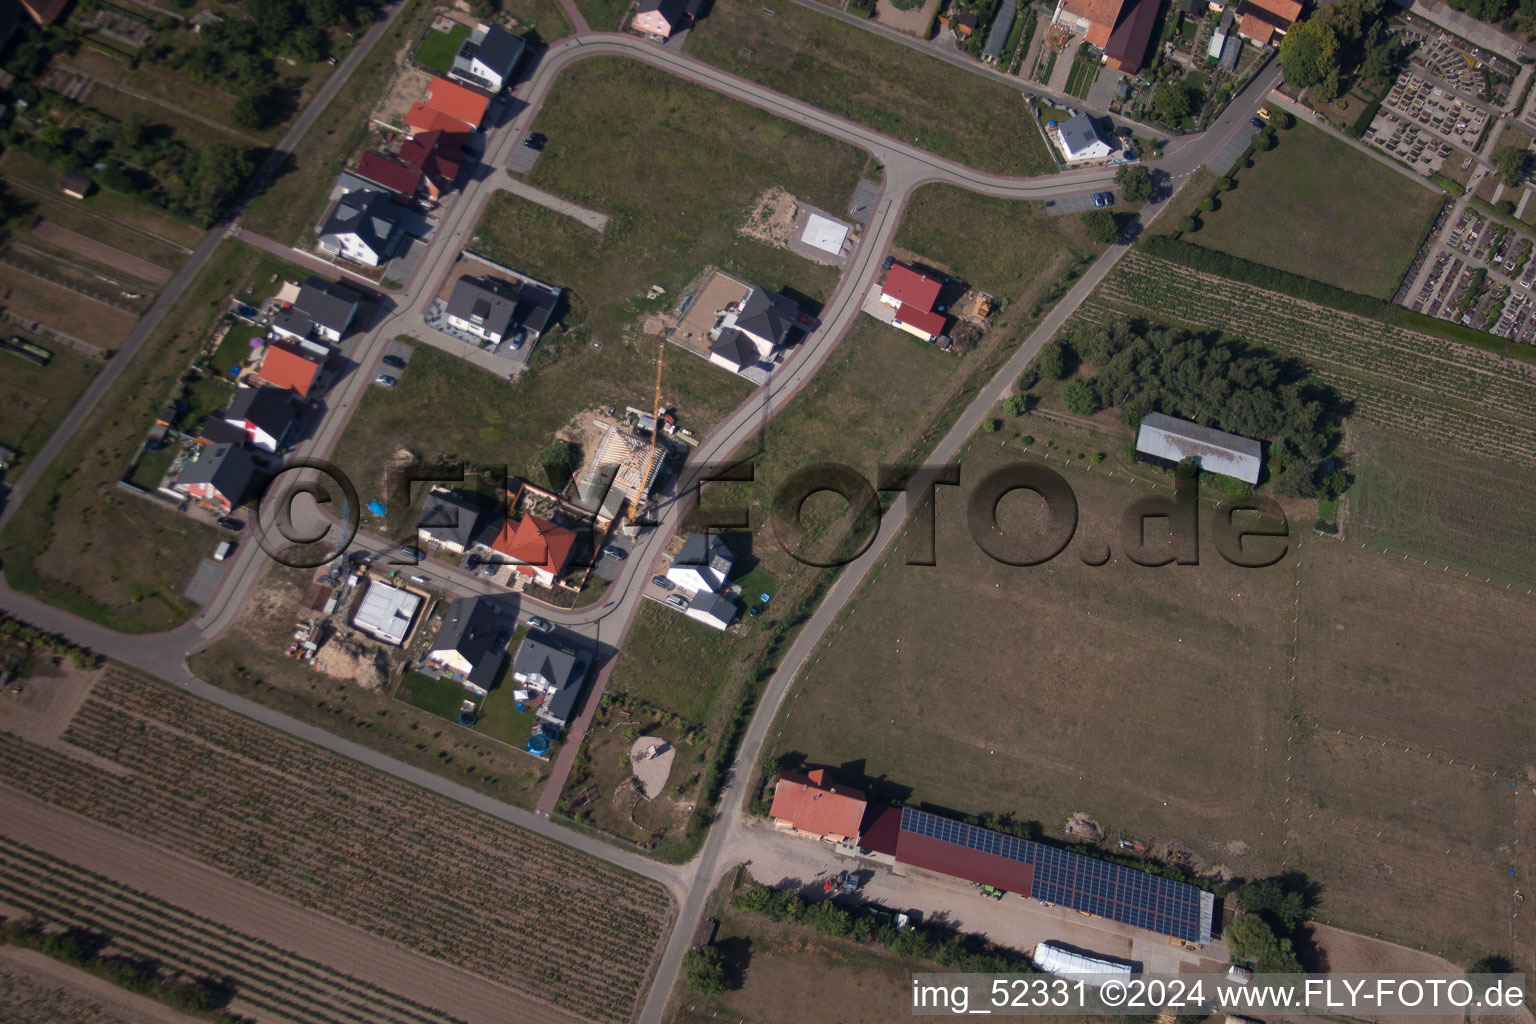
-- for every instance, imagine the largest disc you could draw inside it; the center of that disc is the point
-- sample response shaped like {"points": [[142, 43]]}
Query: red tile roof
{"points": [[390, 173], [460, 101], [910, 288], [423, 118], [288, 367], [436, 154], [1257, 28], [1285, 11], [535, 542], [812, 805], [1097, 12], [922, 319]]}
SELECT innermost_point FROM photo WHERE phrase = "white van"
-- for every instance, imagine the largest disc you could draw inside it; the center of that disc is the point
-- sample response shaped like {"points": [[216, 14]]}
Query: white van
{"points": [[222, 551]]}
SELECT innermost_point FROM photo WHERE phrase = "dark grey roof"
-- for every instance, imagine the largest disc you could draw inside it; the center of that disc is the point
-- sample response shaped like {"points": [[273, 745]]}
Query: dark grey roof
{"points": [[372, 216], [1078, 133], [217, 431], [500, 50], [228, 467], [672, 10], [347, 181], [705, 549], [269, 408], [535, 305], [483, 301], [1229, 51], [1227, 17], [1001, 26], [472, 626], [449, 517], [564, 668], [295, 321], [327, 303], [768, 315], [736, 347], [721, 608]]}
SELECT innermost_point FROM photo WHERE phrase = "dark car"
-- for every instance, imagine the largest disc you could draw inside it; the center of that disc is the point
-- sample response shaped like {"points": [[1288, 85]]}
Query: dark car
{"points": [[231, 524], [1108, 197], [663, 582], [394, 361], [1256, 122], [415, 554], [384, 380], [536, 140], [890, 261]]}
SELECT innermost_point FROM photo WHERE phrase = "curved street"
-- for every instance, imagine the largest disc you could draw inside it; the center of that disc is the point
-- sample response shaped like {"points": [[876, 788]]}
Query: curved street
{"points": [[906, 169]]}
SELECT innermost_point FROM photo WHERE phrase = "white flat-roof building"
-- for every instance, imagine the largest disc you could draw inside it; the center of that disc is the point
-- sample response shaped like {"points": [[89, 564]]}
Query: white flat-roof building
{"points": [[825, 234], [387, 612], [1214, 451]]}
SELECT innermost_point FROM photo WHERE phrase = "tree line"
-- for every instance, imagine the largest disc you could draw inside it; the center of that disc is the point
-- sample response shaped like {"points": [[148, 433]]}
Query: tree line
{"points": [[1339, 45], [1207, 379], [17, 633]]}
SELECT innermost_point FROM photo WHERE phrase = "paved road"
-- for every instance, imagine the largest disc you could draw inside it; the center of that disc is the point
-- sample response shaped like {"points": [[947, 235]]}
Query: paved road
{"points": [[591, 218], [905, 170]]}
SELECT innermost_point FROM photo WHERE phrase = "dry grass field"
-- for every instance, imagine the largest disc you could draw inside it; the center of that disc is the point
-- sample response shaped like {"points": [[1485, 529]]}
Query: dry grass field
{"points": [[64, 310], [1160, 701], [359, 846]]}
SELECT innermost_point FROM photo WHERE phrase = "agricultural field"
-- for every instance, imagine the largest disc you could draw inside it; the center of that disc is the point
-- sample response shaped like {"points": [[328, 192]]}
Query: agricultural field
{"points": [[265, 978], [35, 399], [1122, 659], [60, 308], [854, 73], [1316, 206], [362, 847], [627, 139], [55, 546]]}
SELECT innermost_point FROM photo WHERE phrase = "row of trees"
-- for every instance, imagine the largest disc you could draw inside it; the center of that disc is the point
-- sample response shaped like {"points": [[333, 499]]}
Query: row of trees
{"points": [[1339, 44], [1206, 379], [19, 634]]}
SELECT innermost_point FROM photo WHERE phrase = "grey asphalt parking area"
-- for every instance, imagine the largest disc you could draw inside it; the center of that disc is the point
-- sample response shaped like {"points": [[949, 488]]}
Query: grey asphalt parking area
{"points": [[1225, 158], [522, 160], [1070, 204]]}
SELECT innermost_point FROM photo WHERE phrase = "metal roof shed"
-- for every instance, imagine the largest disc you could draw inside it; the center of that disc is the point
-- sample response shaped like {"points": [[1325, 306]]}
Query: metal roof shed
{"points": [[1214, 451], [1001, 26]]}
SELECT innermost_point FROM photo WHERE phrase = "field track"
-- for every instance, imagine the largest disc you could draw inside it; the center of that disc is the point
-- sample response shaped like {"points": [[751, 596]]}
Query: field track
{"points": [[259, 915], [100, 252]]}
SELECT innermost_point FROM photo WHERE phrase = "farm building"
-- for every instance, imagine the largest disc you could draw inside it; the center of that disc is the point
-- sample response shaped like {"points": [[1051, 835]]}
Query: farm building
{"points": [[1054, 959], [1214, 451], [386, 612], [811, 806], [1041, 872]]}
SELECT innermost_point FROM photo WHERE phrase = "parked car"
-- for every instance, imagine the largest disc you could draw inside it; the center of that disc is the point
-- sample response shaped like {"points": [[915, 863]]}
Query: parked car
{"points": [[663, 582], [676, 601], [890, 261], [1098, 199], [1108, 197], [231, 524], [1264, 113], [394, 361], [384, 380], [536, 141], [418, 579], [489, 569], [542, 625], [223, 550], [415, 554], [1256, 122], [617, 554]]}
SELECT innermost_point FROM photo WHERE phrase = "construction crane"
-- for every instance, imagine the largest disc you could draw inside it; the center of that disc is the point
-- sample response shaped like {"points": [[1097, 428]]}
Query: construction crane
{"points": [[650, 455]]}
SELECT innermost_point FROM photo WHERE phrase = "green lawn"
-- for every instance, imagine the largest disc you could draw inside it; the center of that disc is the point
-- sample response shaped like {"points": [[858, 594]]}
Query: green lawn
{"points": [[151, 468], [603, 15], [235, 349], [205, 396], [442, 697], [35, 399], [1318, 207], [84, 546], [630, 141], [854, 73], [544, 19], [438, 49]]}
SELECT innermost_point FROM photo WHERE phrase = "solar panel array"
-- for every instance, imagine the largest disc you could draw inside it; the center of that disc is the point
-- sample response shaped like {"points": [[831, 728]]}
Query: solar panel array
{"points": [[1082, 883]]}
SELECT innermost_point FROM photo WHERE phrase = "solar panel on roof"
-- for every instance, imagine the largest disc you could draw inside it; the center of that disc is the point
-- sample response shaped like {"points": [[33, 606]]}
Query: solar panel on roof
{"points": [[1072, 880]]}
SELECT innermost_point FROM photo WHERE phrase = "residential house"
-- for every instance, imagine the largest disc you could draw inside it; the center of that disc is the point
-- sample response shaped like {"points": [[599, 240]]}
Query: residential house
{"points": [[1170, 441], [483, 306], [712, 610], [813, 806], [265, 414], [449, 106], [913, 295], [1080, 139], [757, 328], [386, 612], [222, 476], [488, 58], [661, 18], [216, 431], [447, 521], [427, 165], [962, 24], [322, 311], [287, 365], [470, 644], [364, 227], [553, 669], [1263, 22], [537, 548], [703, 565]]}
